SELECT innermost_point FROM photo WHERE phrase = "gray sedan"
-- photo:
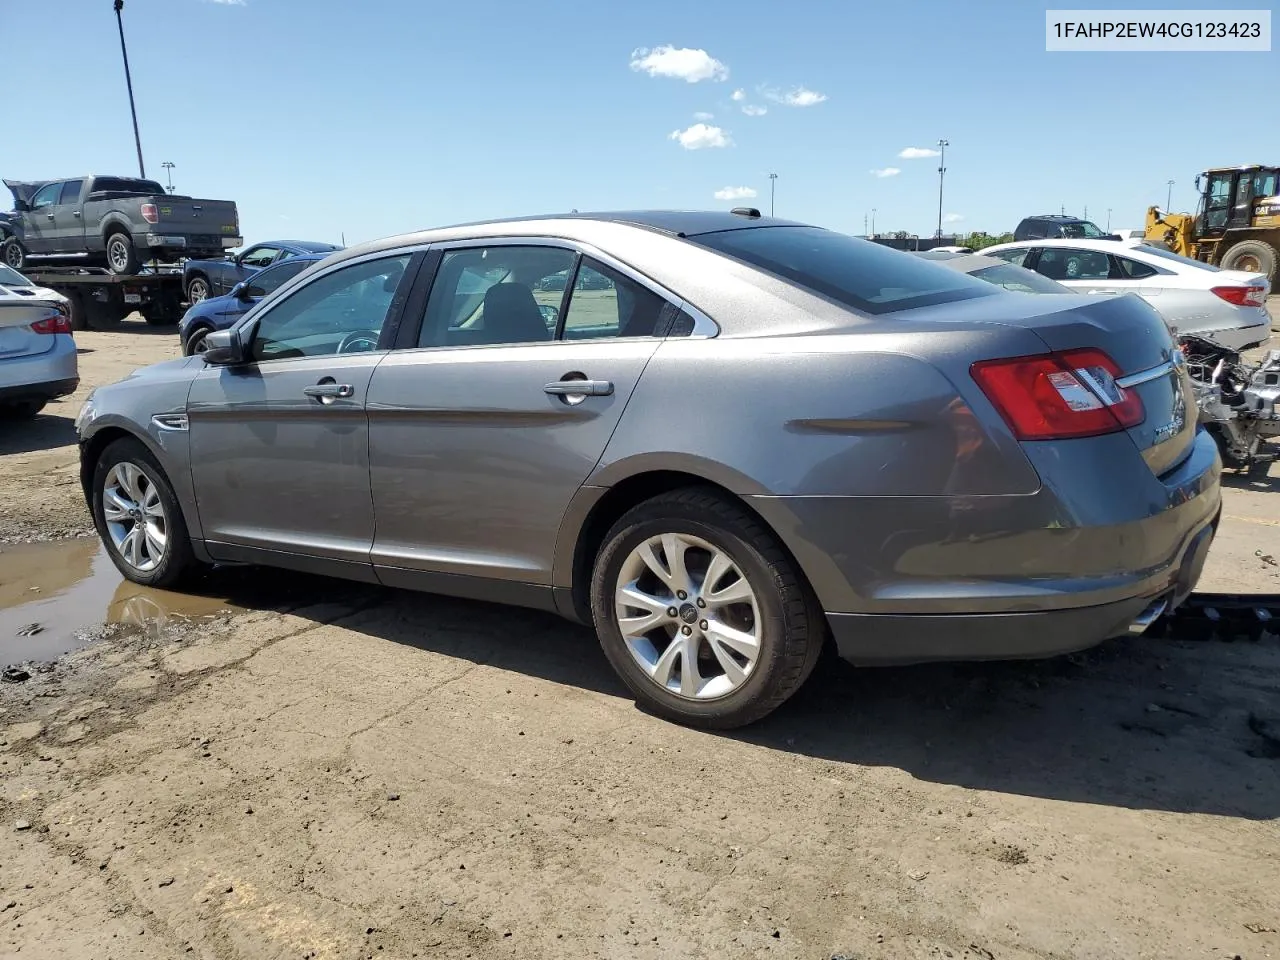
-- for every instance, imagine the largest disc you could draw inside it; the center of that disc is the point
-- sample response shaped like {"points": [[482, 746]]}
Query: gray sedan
{"points": [[724, 441]]}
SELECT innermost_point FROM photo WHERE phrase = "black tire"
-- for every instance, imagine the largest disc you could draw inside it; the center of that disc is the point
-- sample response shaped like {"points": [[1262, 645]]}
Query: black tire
{"points": [[13, 253], [793, 631], [122, 257], [79, 314], [195, 342], [178, 562], [198, 289], [21, 409], [1252, 253]]}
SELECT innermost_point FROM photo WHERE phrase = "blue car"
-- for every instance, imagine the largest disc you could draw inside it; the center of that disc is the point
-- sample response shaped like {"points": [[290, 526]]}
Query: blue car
{"points": [[218, 313], [214, 278]]}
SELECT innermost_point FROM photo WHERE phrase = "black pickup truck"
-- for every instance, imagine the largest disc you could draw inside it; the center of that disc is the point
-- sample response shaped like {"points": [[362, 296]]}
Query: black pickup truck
{"points": [[121, 222]]}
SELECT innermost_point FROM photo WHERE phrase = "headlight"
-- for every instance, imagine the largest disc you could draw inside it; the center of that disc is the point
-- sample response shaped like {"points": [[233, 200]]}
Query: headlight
{"points": [[87, 412]]}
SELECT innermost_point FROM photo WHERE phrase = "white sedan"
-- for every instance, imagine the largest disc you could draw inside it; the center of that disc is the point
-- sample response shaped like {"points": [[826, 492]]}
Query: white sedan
{"points": [[1225, 306]]}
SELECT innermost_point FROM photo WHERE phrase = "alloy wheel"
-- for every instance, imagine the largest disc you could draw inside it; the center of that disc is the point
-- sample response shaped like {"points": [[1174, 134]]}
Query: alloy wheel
{"points": [[689, 616], [199, 290], [134, 516], [118, 254]]}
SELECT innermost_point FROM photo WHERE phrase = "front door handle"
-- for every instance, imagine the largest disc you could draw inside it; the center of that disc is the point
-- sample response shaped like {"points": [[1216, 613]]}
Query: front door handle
{"points": [[330, 391], [580, 388]]}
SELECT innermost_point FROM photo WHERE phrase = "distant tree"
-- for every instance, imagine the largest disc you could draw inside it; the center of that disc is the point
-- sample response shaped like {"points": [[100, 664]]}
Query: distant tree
{"points": [[979, 239]]}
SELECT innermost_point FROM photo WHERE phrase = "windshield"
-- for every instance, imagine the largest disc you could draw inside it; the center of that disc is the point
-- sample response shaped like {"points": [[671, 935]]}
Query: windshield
{"points": [[1018, 279], [1151, 251], [866, 276], [1082, 230], [12, 278]]}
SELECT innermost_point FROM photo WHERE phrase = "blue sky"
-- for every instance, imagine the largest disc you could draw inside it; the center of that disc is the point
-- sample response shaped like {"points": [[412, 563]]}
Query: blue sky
{"points": [[324, 117]]}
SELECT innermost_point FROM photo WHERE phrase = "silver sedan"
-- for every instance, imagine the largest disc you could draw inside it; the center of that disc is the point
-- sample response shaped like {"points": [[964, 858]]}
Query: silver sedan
{"points": [[723, 440], [1228, 307]]}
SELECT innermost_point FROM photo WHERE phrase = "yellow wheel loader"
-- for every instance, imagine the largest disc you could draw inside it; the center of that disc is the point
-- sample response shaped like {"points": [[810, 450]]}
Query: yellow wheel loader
{"points": [[1236, 225]]}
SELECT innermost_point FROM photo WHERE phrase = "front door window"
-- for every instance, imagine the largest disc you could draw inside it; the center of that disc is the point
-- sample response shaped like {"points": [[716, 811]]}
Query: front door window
{"points": [[341, 312]]}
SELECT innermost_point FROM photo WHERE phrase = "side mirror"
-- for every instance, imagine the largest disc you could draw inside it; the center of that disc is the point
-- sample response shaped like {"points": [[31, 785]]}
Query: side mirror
{"points": [[21, 205], [241, 291], [223, 348], [1113, 236]]}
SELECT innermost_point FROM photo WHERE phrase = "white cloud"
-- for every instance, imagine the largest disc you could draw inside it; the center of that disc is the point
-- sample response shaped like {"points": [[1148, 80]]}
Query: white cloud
{"points": [[682, 63], [735, 193], [739, 95], [952, 218], [916, 153], [886, 172], [703, 115], [799, 97], [701, 135], [751, 110]]}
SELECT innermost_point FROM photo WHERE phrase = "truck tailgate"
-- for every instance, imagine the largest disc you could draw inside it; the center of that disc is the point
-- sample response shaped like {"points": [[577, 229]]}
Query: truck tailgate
{"points": [[189, 215]]}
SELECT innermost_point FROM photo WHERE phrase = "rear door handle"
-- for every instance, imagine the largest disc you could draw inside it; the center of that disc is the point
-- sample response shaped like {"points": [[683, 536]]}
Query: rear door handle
{"points": [[329, 392], [580, 388]]}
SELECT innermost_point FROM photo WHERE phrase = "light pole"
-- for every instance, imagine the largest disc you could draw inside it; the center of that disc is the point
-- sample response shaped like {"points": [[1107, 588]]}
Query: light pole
{"points": [[873, 221], [864, 226], [168, 169], [128, 79], [1168, 199], [773, 180], [942, 171], [1108, 219]]}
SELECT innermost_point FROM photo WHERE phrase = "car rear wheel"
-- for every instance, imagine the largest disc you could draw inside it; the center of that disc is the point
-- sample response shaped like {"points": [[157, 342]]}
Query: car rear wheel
{"points": [[138, 517], [122, 258], [702, 612], [197, 290]]}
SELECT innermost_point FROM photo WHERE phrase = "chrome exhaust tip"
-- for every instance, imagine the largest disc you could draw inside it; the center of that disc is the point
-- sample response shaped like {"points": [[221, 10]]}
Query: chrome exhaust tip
{"points": [[1138, 626]]}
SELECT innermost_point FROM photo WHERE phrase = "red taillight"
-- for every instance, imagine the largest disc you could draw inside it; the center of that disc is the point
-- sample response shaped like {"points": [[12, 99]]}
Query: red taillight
{"points": [[1243, 296], [1059, 395], [150, 213], [59, 324]]}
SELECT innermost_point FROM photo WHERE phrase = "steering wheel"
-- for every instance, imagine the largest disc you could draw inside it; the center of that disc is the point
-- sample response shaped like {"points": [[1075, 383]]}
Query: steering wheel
{"points": [[359, 341]]}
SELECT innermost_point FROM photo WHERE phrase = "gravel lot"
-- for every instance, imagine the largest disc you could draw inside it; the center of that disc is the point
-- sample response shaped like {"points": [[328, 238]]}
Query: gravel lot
{"points": [[293, 767]]}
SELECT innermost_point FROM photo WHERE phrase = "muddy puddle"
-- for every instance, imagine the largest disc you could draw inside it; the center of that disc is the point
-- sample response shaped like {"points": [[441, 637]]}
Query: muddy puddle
{"points": [[54, 596]]}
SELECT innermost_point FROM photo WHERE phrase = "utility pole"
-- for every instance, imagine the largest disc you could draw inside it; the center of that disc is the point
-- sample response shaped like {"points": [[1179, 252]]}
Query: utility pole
{"points": [[1108, 219], [1168, 200], [864, 225], [942, 171], [168, 169], [773, 180], [1086, 211], [128, 79], [873, 221]]}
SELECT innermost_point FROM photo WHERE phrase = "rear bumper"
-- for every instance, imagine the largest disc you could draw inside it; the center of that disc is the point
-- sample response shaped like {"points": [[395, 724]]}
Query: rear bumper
{"points": [[46, 390], [1241, 338], [43, 376], [886, 639], [921, 578]]}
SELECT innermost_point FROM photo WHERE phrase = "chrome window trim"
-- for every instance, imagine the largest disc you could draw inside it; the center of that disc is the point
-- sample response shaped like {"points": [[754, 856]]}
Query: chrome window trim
{"points": [[703, 326]]}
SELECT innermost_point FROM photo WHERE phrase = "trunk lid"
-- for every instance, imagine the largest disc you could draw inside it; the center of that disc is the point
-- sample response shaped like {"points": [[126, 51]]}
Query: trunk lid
{"points": [[1135, 336], [17, 339]]}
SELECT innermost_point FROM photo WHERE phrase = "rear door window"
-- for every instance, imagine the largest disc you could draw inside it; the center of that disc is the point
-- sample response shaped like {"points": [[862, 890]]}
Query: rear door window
{"points": [[606, 303], [71, 191], [855, 273], [1131, 269]]}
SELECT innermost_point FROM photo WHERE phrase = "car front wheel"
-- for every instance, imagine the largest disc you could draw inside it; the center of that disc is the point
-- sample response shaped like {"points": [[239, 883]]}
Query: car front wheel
{"points": [[702, 612], [138, 516]]}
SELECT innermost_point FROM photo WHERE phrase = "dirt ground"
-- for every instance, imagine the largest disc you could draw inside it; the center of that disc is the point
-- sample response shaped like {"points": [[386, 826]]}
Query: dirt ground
{"points": [[293, 767]]}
